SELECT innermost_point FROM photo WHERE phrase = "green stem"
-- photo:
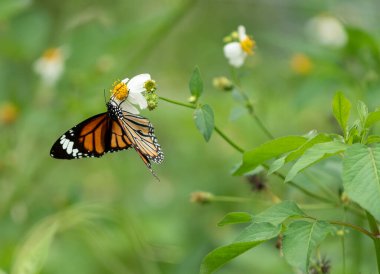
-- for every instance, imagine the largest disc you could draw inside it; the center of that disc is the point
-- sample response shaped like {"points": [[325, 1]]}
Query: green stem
{"points": [[228, 140], [376, 239], [355, 227], [300, 188], [238, 148], [261, 125], [248, 103], [230, 199], [177, 103], [224, 136]]}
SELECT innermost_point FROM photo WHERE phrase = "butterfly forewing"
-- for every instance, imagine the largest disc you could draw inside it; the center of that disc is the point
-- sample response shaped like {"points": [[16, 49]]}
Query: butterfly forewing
{"points": [[111, 131]]}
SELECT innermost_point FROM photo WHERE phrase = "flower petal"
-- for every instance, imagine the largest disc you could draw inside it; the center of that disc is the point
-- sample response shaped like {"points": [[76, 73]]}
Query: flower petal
{"points": [[127, 106], [136, 84], [138, 99], [242, 33], [234, 54], [125, 80]]}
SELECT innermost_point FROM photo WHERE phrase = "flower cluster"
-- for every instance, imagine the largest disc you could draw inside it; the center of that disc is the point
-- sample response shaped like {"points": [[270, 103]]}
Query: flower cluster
{"points": [[239, 46], [140, 90]]}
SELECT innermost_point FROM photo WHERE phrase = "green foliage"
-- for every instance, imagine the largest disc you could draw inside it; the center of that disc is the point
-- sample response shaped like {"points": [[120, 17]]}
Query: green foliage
{"points": [[235, 218], [341, 111], [252, 236], [279, 213], [301, 238], [196, 84], [361, 172], [268, 150], [204, 120], [314, 154]]}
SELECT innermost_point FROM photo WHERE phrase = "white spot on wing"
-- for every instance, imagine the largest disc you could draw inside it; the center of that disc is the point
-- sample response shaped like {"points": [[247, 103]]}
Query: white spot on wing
{"points": [[65, 143], [69, 149]]}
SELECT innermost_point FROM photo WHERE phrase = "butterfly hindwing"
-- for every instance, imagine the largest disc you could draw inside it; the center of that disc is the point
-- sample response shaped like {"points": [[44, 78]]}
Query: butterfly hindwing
{"points": [[110, 131]]}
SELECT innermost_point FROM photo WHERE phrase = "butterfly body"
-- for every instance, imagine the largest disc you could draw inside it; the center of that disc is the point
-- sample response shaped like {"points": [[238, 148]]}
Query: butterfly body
{"points": [[111, 131]]}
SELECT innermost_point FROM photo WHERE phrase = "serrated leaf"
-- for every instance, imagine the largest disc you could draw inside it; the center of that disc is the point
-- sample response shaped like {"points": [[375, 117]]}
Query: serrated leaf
{"points": [[300, 239], [341, 110], [361, 172], [235, 218], [204, 121], [363, 113], [279, 213], [314, 154], [268, 150], [372, 118], [373, 139], [319, 138], [252, 236], [196, 83]]}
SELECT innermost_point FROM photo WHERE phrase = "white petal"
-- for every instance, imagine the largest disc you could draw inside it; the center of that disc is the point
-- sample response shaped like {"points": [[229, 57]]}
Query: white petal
{"points": [[241, 32], [136, 84], [125, 80], [127, 106], [138, 99], [234, 54]]}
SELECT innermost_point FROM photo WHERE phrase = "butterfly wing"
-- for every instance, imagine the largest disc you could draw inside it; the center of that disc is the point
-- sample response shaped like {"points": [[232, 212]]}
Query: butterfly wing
{"points": [[93, 137], [140, 132]]}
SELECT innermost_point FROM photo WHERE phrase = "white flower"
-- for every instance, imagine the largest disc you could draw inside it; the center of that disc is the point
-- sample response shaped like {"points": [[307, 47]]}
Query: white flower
{"points": [[50, 65], [128, 93], [327, 31], [237, 51]]}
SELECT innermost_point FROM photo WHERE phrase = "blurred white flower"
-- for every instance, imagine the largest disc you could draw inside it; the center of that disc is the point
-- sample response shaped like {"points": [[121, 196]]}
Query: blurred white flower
{"points": [[50, 65], [237, 51], [128, 93], [327, 31]]}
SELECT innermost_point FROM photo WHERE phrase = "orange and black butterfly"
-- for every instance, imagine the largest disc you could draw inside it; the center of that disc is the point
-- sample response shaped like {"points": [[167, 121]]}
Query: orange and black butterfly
{"points": [[110, 131]]}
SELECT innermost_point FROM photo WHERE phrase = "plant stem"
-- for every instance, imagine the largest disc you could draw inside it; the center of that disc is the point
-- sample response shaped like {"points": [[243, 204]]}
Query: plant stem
{"points": [[177, 103], [248, 103], [224, 136], [305, 191], [230, 199], [376, 238], [238, 148], [355, 227], [228, 140]]}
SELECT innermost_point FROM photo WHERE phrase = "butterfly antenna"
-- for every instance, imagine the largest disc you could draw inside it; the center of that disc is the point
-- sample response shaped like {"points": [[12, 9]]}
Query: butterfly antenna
{"points": [[104, 93]]}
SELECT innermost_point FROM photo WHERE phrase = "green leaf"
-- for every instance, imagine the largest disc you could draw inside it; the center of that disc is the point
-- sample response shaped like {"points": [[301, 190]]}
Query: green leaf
{"points": [[279, 213], [235, 218], [341, 110], [196, 83], [204, 120], [361, 172], [373, 139], [268, 150], [301, 238], [315, 154], [363, 113], [252, 236], [320, 138], [372, 118]]}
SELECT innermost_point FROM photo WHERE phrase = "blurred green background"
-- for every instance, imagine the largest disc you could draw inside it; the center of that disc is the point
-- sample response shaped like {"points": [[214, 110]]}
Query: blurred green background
{"points": [[109, 215]]}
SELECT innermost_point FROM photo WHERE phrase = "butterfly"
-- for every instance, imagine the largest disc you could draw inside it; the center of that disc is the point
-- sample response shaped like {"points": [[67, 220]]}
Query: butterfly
{"points": [[111, 131]]}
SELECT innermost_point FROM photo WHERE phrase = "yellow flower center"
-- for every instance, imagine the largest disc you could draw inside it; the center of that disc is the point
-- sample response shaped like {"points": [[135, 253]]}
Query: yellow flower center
{"points": [[247, 45], [52, 54], [120, 90]]}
